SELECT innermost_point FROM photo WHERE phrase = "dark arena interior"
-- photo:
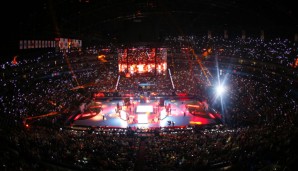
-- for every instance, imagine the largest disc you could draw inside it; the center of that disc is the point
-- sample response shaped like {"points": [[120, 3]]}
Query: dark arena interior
{"points": [[148, 85]]}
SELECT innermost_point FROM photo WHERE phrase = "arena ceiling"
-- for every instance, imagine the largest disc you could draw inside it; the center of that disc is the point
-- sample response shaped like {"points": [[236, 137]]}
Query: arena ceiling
{"points": [[141, 19]]}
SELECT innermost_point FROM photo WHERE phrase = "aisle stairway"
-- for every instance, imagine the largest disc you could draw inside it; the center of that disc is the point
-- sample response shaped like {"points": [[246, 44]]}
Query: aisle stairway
{"points": [[140, 161]]}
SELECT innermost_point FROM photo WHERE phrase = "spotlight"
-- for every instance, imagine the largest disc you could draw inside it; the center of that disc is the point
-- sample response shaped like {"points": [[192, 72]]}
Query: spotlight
{"points": [[220, 90]]}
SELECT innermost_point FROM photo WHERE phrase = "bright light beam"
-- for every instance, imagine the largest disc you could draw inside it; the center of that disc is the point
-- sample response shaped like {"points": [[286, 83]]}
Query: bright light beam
{"points": [[171, 79], [117, 82]]}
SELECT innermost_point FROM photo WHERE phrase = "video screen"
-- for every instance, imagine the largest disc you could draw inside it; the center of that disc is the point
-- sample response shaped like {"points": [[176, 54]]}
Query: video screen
{"points": [[142, 118], [138, 61], [144, 109]]}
